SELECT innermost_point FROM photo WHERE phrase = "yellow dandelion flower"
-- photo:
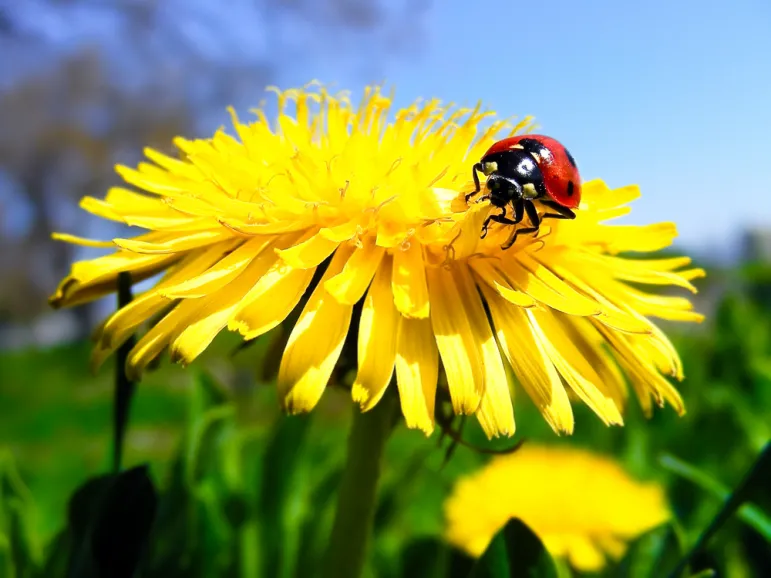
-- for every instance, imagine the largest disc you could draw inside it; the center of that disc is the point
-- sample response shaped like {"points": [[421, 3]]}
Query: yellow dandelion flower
{"points": [[343, 204], [582, 506]]}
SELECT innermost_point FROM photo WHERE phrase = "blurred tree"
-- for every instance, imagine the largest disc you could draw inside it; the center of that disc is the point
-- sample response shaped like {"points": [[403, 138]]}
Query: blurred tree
{"points": [[54, 147], [94, 81]]}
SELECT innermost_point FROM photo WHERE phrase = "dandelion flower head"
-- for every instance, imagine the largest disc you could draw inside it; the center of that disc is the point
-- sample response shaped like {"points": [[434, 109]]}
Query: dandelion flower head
{"points": [[582, 506], [335, 207]]}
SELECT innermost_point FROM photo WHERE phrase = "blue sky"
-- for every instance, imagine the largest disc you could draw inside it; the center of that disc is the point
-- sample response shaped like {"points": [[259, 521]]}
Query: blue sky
{"points": [[671, 95]]}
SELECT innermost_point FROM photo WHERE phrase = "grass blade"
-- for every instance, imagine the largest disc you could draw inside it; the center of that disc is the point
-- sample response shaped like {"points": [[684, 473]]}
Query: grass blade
{"points": [[748, 513], [756, 477]]}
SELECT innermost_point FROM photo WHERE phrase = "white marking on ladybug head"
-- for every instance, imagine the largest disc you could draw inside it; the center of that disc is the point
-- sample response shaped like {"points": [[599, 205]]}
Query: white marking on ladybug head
{"points": [[489, 168]]}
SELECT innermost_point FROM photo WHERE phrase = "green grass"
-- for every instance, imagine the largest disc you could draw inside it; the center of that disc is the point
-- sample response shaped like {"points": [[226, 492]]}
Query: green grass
{"points": [[56, 420]]}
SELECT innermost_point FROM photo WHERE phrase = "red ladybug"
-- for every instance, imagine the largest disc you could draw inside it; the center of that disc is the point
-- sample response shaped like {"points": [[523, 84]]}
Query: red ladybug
{"points": [[525, 168]]}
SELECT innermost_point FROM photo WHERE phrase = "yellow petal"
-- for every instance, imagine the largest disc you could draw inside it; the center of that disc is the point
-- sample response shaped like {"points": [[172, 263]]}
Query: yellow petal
{"points": [[349, 285], [666, 307], [309, 253], [342, 232], [277, 293], [121, 324], [535, 372], [221, 273], [460, 351], [599, 197], [100, 208], [611, 315], [408, 282], [640, 239], [220, 308], [314, 344], [585, 555], [417, 371], [591, 346], [171, 164], [89, 280], [649, 272], [157, 338], [377, 341], [573, 366], [539, 281], [215, 311], [166, 184], [496, 414], [82, 241], [239, 226], [175, 244], [148, 212], [644, 376], [489, 273]]}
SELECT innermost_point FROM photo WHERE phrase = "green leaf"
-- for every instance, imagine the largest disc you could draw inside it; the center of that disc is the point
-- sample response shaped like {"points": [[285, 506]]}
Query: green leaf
{"points": [[312, 539], [176, 549], [122, 527], [279, 464], [208, 412], [758, 479], [57, 561], [748, 513], [432, 558], [6, 559], [515, 552], [110, 518], [396, 495], [199, 513], [652, 554], [83, 509], [20, 546]]}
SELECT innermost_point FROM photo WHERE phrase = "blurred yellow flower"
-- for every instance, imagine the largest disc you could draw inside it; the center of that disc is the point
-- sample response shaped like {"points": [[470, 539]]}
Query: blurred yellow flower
{"points": [[244, 227], [581, 505]]}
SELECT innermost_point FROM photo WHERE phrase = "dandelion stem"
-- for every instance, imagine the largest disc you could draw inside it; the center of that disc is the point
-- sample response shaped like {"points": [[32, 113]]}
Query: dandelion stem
{"points": [[124, 389], [348, 545]]}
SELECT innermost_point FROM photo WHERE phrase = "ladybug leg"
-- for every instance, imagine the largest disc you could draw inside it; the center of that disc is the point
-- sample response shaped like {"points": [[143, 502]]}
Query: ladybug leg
{"points": [[562, 212], [477, 185], [535, 220], [519, 213]]}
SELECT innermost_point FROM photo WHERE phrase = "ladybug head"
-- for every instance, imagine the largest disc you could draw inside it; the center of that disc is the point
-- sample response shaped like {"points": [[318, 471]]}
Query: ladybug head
{"points": [[513, 174]]}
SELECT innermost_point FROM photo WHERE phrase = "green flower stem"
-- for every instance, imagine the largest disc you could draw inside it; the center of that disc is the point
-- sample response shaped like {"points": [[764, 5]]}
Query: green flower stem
{"points": [[348, 545]]}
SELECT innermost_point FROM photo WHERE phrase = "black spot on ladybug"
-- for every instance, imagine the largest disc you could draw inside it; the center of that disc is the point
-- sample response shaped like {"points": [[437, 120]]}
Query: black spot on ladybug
{"points": [[570, 158], [571, 187], [534, 147]]}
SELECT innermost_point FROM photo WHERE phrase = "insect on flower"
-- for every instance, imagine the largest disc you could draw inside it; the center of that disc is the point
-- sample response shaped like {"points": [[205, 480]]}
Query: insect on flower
{"points": [[522, 169]]}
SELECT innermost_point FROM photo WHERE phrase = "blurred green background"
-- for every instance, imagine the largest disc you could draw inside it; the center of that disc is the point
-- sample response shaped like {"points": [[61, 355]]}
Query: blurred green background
{"points": [[246, 491]]}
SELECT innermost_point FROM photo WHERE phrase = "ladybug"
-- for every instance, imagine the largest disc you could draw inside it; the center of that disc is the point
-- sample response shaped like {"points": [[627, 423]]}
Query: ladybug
{"points": [[522, 169]]}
